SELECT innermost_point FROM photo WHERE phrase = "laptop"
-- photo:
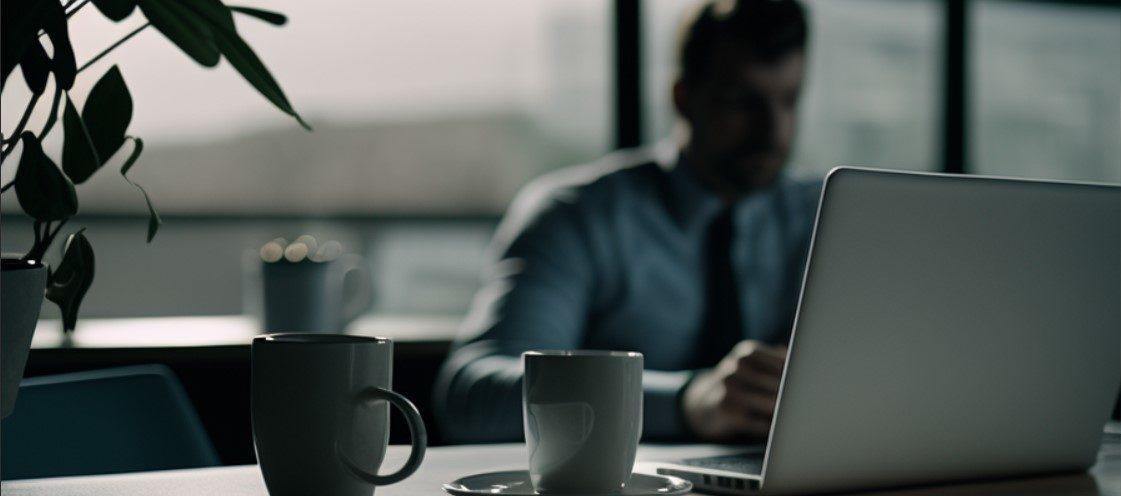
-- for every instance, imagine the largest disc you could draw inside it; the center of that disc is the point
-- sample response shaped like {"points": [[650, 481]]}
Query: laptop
{"points": [[950, 328]]}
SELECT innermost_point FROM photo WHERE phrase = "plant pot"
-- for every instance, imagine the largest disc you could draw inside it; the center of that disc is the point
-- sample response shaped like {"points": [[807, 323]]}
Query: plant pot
{"points": [[21, 298]]}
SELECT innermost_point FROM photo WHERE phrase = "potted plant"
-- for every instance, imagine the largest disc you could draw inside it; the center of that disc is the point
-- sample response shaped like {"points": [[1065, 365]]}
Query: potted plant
{"points": [[203, 29]]}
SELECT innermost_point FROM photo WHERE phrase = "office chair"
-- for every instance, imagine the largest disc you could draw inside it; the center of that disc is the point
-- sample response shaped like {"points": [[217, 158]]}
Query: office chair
{"points": [[115, 420]]}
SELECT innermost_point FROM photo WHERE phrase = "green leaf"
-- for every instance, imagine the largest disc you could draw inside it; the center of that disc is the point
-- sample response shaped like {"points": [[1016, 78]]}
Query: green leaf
{"points": [[63, 64], [19, 28], [274, 18], [184, 28], [241, 56], [116, 10], [107, 113], [36, 67], [79, 158], [137, 148], [254, 71], [154, 220], [44, 192], [69, 283], [213, 12]]}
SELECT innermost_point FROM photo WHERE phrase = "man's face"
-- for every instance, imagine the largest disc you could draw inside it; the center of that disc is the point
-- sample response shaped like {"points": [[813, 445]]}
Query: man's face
{"points": [[742, 117]]}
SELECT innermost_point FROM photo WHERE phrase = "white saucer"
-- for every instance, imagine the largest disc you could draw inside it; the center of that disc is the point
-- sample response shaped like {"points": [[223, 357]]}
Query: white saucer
{"points": [[516, 482]]}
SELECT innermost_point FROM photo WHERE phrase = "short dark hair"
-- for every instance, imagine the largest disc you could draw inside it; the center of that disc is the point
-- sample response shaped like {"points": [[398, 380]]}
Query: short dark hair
{"points": [[768, 29]]}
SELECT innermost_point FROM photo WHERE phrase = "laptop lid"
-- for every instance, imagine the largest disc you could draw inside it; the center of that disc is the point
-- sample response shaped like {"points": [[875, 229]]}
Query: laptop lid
{"points": [[950, 328]]}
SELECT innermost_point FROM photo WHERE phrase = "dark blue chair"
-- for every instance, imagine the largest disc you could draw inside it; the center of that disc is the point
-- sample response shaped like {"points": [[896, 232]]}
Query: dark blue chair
{"points": [[124, 419]]}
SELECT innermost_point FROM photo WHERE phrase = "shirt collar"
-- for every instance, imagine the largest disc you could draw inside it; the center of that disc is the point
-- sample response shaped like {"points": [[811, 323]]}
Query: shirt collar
{"points": [[692, 205]]}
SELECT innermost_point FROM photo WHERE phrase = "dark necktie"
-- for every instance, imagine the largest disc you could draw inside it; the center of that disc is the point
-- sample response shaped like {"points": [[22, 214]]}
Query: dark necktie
{"points": [[721, 325]]}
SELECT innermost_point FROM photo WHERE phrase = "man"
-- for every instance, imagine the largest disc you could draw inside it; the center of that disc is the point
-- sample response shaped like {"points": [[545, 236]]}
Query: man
{"points": [[692, 255]]}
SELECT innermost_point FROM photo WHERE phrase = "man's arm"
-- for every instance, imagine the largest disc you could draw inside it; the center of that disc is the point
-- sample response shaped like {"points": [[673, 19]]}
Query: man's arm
{"points": [[536, 295]]}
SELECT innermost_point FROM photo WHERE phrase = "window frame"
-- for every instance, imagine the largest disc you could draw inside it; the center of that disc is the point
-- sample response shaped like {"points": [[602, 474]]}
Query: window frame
{"points": [[954, 126]]}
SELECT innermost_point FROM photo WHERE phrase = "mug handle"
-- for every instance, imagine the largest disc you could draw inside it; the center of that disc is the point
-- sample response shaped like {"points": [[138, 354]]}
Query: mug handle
{"points": [[357, 302], [416, 431]]}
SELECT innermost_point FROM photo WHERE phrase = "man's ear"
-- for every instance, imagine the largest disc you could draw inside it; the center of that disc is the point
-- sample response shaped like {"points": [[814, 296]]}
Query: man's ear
{"points": [[681, 99]]}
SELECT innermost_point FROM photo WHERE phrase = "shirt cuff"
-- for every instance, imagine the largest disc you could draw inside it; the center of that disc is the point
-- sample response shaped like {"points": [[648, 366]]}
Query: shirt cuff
{"points": [[662, 419]]}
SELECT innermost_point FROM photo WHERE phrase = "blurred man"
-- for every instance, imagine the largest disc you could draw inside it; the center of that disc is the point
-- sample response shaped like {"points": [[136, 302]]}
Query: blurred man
{"points": [[690, 254]]}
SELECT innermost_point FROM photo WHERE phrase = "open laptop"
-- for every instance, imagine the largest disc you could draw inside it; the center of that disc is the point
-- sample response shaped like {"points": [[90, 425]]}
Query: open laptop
{"points": [[950, 328]]}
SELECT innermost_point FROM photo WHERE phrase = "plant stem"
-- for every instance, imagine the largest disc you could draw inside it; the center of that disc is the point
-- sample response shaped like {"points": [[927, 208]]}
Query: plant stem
{"points": [[53, 115], [114, 45], [44, 239], [14, 137], [10, 142], [52, 234], [65, 6], [79, 7], [36, 247], [7, 150]]}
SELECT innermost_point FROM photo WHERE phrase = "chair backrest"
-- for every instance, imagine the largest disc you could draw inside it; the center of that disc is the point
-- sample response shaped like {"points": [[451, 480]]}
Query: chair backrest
{"points": [[116, 420]]}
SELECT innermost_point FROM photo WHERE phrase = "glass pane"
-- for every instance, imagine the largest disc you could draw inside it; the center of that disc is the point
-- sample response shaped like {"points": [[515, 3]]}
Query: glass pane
{"points": [[424, 106], [1046, 80], [872, 90], [661, 20]]}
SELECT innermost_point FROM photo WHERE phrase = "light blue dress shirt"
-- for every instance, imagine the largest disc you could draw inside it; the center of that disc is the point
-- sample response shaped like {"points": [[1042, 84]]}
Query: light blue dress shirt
{"points": [[610, 256]]}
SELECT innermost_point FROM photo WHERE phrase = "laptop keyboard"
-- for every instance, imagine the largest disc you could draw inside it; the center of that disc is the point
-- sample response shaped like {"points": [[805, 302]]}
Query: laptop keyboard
{"points": [[744, 463]]}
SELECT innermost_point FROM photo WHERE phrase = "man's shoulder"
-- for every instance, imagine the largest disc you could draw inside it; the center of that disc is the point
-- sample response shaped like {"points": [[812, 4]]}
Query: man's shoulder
{"points": [[801, 190], [578, 194], [799, 196], [618, 176], [616, 172]]}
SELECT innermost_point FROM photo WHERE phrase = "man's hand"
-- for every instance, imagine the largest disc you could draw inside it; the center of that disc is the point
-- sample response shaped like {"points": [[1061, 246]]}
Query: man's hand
{"points": [[736, 399]]}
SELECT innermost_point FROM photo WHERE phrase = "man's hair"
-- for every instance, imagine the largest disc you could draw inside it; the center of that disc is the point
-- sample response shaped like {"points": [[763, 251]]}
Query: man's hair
{"points": [[766, 29]]}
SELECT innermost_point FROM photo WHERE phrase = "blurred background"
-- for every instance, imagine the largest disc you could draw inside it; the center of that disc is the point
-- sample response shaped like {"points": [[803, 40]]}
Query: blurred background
{"points": [[429, 115]]}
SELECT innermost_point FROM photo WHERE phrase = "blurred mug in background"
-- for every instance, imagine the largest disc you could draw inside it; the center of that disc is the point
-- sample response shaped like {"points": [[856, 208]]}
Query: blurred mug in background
{"points": [[308, 287]]}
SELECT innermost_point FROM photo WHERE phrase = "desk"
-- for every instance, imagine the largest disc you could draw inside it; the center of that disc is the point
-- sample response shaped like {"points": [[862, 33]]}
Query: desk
{"points": [[211, 357], [223, 330], [448, 463]]}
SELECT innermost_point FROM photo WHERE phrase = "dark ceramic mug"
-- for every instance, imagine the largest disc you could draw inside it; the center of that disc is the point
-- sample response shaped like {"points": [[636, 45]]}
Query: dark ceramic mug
{"points": [[321, 414]]}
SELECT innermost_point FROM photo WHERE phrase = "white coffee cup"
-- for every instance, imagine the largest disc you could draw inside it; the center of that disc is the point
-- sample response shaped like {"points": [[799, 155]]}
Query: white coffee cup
{"points": [[321, 414], [583, 419]]}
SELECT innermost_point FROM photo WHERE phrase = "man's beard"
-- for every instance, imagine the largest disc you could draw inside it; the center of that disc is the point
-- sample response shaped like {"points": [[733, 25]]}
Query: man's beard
{"points": [[750, 168]]}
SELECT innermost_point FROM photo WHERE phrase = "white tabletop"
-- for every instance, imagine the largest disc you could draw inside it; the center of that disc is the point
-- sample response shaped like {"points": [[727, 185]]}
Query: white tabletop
{"points": [[224, 330], [448, 463]]}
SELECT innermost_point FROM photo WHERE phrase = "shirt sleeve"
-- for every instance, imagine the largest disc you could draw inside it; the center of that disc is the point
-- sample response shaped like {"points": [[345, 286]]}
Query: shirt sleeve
{"points": [[538, 293]]}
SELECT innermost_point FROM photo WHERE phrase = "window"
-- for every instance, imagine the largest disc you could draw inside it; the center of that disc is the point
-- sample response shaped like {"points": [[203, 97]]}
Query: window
{"points": [[1046, 90], [872, 88], [419, 107], [429, 115]]}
